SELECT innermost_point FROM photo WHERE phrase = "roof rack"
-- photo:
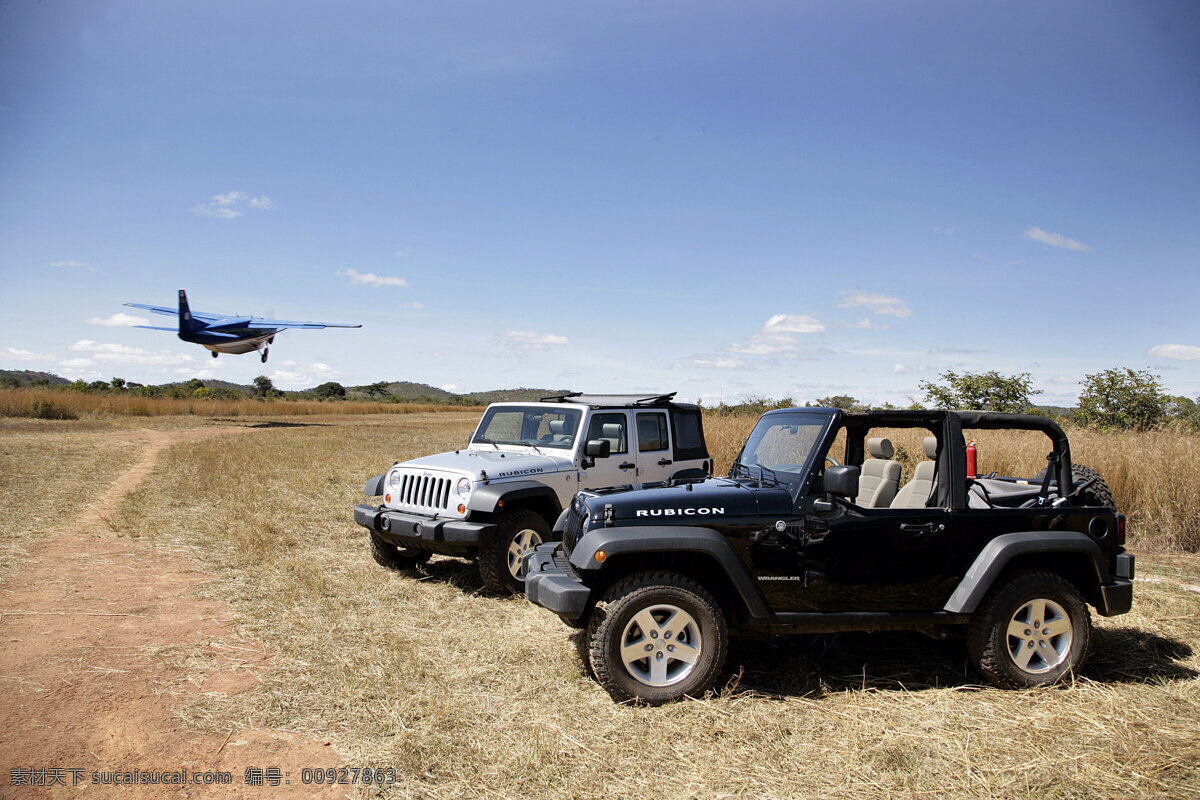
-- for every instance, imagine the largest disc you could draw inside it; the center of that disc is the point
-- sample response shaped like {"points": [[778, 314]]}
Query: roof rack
{"points": [[597, 400]]}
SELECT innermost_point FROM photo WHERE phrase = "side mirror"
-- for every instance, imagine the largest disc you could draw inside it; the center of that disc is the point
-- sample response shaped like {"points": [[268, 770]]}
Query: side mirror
{"points": [[842, 480], [598, 448]]}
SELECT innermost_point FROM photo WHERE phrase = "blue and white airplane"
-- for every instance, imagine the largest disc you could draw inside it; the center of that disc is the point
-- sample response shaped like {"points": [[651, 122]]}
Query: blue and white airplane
{"points": [[224, 334]]}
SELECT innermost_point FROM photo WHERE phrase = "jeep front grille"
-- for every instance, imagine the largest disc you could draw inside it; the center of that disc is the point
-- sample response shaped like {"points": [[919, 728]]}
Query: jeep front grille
{"points": [[573, 528], [424, 493]]}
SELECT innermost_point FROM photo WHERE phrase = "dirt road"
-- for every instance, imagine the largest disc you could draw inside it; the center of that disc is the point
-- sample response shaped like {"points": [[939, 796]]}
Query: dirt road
{"points": [[103, 637]]}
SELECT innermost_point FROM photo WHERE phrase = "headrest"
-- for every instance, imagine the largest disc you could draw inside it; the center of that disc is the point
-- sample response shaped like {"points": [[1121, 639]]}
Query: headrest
{"points": [[558, 426], [880, 448], [931, 446], [611, 430]]}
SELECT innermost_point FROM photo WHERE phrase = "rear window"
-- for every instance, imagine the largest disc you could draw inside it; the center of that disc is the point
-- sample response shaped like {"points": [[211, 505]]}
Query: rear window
{"points": [[689, 435]]}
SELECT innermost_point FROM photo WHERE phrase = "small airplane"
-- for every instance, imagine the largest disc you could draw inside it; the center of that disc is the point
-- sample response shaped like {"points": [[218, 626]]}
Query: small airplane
{"points": [[225, 334]]}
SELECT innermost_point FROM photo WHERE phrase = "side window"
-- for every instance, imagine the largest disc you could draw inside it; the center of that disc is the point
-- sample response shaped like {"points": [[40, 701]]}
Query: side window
{"points": [[652, 432], [613, 427]]}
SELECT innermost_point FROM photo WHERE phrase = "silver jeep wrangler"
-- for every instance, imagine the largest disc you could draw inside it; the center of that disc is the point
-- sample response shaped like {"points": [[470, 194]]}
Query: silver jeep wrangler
{"points": [[500, 496]]}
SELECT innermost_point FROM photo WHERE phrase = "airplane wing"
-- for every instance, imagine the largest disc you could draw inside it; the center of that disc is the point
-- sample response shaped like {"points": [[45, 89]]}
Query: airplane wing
{"points": [[157, 328], [174, 312], [280, 323]]}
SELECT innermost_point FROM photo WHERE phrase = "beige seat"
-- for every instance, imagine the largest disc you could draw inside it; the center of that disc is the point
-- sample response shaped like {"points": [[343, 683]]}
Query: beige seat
{"points": [[612, 431], [880, 477], [916, 492], [560, 431]]}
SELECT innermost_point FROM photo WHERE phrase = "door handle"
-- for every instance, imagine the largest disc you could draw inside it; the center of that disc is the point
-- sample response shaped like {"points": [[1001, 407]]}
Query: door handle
{"points": [[664, 462], [921, 528], [627, 465]]}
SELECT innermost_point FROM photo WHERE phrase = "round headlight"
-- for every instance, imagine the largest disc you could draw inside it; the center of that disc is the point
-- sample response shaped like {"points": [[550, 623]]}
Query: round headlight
{"points": [[393, 481], [463, 488]]}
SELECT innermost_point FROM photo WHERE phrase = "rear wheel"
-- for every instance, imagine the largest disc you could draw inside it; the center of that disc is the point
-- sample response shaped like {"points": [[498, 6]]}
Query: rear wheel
{"points": [[517, 532], [1031, 630], [393, 557], [659, 637]]}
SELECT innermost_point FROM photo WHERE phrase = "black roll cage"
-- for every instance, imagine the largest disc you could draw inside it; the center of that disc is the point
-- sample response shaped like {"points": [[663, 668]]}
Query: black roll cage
{"points": [[947, 427]]}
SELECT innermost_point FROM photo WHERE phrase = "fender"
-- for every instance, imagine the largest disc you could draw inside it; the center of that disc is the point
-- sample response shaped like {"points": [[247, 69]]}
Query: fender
{"points": [[487, 498], [992, 560], [375, 486], [673, 538]]}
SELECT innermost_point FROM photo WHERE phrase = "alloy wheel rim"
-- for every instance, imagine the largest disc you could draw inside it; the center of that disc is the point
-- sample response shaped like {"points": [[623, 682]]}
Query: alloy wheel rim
{"points": [[522, 543], [1039, 636], [661, 645]]}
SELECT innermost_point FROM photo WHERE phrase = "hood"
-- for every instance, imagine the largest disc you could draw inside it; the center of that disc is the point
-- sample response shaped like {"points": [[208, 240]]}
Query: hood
{"points": [[499, 464], [712, 498]]}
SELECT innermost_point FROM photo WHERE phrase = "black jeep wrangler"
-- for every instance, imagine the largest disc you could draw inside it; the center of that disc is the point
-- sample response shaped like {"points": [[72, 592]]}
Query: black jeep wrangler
{"points": [[814, 531]]}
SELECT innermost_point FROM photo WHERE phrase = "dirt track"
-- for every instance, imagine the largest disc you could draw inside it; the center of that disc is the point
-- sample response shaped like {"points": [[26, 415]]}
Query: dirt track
{"points": [[103, 637]]}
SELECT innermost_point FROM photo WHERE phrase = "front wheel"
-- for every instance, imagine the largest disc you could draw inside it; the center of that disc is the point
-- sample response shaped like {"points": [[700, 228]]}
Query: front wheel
{"points": [[659, 637], [1031, 630], [517, 532]]}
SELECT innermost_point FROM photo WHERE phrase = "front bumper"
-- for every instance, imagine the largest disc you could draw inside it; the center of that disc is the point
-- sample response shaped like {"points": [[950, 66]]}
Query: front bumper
{"points": [[447, 536], [552, 584]]}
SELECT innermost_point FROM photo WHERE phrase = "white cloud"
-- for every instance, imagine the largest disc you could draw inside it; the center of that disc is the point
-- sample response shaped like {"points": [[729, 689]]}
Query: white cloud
{"points": [[23, 355], [108, 353], [371, 279], [900, 369], [531, 341], [792, 323], [119, 320], [77, 363], [777, 336], [225, 206], [876, 303], [73, 265], [716, 362], [1179, 352], [866, 324], [449, 387], [1056, 240]]}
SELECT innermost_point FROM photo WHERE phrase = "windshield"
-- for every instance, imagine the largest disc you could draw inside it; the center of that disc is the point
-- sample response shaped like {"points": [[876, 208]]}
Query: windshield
{"points": [[535, 426], [784, 444]]}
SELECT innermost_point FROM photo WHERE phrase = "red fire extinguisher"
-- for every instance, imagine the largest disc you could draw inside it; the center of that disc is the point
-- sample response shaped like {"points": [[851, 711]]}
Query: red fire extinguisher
{"points": [[971, 456]]}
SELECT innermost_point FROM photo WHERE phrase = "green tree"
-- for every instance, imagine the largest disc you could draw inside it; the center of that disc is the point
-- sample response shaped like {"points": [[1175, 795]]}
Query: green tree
{"points": [[1184, 410], [330, 391], [983, 391], [263, 387], [843, 401], [377, 389], [118, 384], [1122, 399]]}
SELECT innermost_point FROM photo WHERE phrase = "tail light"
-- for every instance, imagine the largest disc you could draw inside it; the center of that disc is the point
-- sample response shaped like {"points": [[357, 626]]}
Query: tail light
{"points": [[1121, 529]]}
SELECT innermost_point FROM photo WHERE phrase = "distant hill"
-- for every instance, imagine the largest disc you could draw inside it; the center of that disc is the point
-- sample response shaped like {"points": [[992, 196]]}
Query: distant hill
{"points": [[27, 376]]}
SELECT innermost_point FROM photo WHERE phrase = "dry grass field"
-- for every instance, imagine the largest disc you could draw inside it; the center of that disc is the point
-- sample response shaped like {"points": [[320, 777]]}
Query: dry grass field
{"points": [[472, 695]]}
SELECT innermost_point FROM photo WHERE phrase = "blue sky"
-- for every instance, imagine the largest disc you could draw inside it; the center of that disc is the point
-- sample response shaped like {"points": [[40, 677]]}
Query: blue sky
{"points": [[778, 198]]}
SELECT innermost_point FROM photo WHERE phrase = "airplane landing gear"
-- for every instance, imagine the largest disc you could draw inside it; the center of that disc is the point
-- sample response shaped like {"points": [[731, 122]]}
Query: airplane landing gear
{"points": [[264, 356], [214, 353]]}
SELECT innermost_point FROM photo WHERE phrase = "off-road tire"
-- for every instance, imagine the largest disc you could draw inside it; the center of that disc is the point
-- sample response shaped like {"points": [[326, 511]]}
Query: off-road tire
{"points": [[1097, 494], [393, 557], [657, 598], [1009, 624], [499, 558]]}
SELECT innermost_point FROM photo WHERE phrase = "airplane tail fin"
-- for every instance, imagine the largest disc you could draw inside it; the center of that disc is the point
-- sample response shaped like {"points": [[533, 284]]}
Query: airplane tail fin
{"points": [[186, 323]]}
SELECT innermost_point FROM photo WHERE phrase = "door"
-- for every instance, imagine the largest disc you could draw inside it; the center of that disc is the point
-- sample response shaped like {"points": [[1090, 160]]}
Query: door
{"points": [[897, 559], [653, 447], [620, 467]]}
